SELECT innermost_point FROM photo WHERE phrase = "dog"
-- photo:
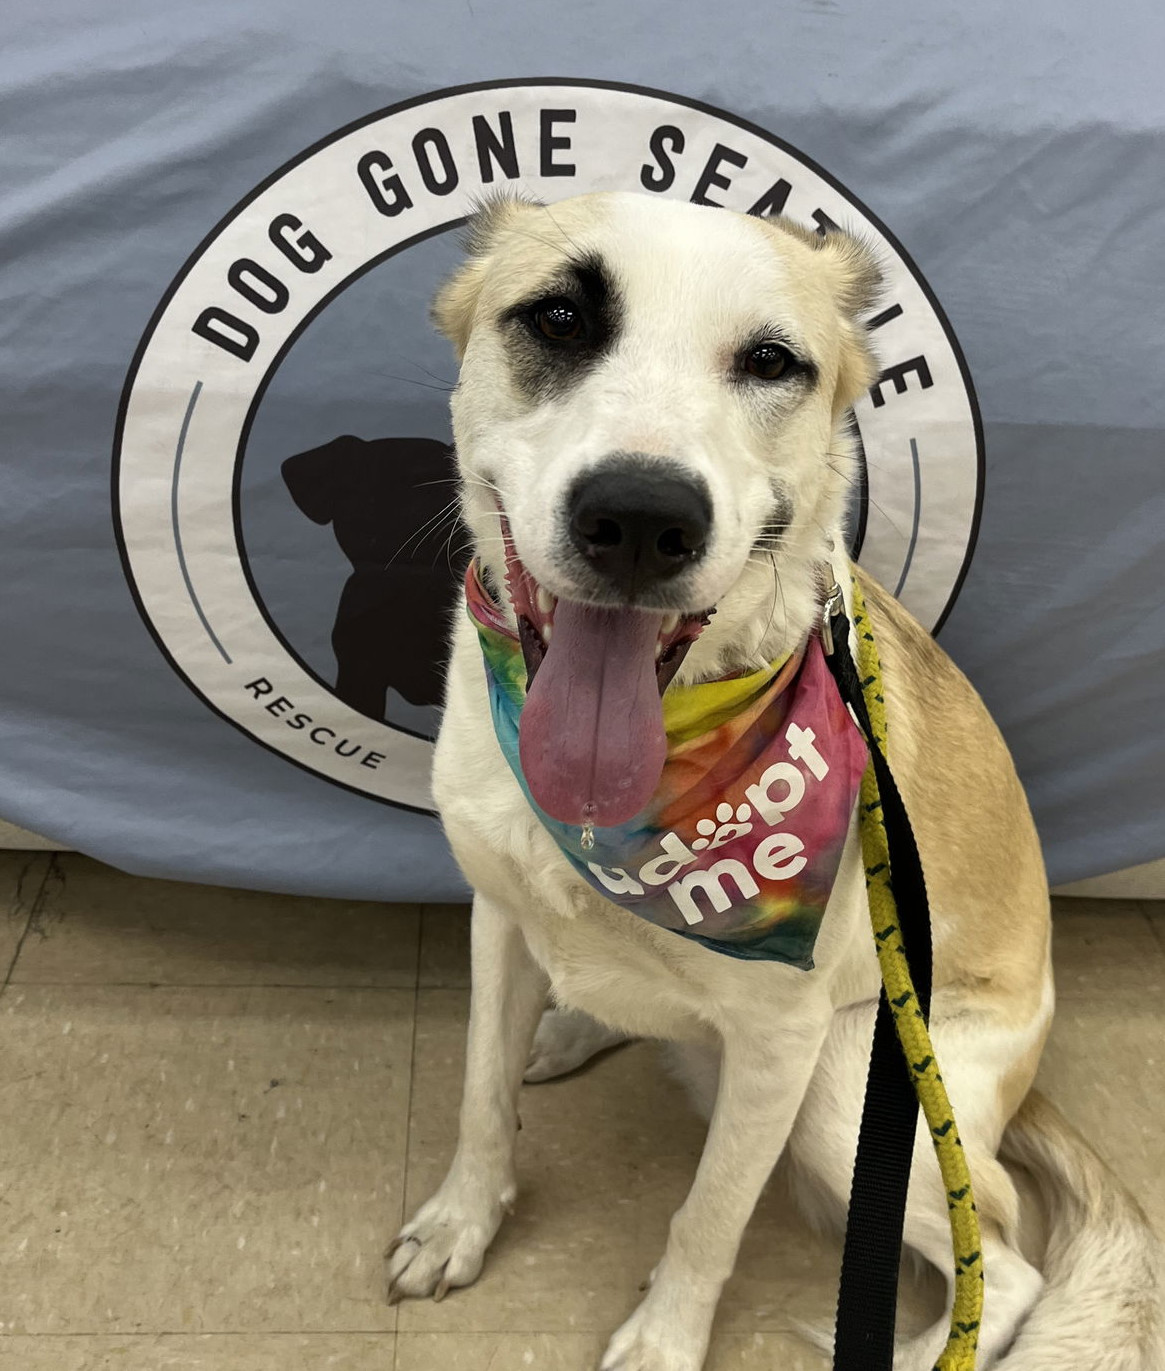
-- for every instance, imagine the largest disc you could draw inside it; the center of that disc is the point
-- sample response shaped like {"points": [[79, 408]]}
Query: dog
{"points": [[653, 421], [388, 503]]}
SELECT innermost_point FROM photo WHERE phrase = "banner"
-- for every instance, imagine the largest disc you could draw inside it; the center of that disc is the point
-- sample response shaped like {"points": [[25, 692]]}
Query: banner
{"points": [[225, 275]]}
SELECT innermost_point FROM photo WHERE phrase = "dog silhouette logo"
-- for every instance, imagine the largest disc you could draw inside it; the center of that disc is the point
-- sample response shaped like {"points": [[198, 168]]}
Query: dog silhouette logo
{"points": [[386, 501]]}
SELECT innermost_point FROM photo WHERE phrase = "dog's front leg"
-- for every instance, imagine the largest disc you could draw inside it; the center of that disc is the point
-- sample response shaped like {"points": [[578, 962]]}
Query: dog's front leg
{"points": [[764, 1073], [445, 1243]]}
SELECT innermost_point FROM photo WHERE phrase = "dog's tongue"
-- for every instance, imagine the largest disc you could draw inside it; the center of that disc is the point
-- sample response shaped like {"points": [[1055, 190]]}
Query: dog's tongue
{"points": [[591, 738]]}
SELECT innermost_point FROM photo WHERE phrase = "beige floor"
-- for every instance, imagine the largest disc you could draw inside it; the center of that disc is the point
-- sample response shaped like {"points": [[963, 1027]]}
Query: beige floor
{"points": [[215, 1108]]}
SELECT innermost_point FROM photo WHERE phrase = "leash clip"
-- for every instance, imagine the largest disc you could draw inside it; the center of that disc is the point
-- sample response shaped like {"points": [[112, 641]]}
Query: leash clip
{"points": [[834, 605]]}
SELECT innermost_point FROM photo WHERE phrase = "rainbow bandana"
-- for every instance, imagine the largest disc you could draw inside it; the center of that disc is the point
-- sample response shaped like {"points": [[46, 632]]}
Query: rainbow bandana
{"points": [[739, 846]]}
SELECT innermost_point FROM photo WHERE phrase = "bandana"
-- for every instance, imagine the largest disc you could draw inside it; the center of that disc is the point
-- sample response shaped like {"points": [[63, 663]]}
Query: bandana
{"points": [[740, 844]]}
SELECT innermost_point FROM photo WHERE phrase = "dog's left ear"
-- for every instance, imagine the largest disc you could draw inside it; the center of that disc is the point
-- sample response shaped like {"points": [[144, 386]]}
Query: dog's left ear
{"points": [[455, 303], [856, 270], [856, 281], [853, 274]]}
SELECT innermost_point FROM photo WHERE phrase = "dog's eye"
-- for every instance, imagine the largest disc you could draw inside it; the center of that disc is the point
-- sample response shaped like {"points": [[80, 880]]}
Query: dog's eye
{"points": [[557, 319], [767, 361]]}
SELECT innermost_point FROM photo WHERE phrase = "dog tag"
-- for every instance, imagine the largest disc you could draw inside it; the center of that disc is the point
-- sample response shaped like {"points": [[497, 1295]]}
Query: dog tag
{"points": [[587, 838]]}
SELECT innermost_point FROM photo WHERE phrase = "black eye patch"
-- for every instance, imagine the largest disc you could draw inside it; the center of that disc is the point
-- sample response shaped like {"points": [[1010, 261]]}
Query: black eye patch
{"points": [[558, 334]]}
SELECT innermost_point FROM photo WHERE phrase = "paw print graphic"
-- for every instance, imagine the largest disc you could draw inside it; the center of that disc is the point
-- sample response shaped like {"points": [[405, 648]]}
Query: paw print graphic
{"points": [[716, 832]]}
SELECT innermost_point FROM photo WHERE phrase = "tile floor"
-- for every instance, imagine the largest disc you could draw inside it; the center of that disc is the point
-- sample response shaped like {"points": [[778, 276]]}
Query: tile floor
{"points": [[215, 1107]]}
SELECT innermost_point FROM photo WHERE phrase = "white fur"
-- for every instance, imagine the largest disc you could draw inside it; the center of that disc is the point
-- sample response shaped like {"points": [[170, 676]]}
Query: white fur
{"points": [[781, 1052]]}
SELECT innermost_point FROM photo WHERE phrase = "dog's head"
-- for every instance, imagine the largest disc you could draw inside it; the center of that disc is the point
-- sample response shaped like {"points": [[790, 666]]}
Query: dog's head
{"points": [[651, 423]]}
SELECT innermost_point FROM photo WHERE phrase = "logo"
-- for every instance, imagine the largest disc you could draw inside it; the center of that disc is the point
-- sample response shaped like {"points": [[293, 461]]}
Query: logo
{"points": [[220, 469], [776, 857]]}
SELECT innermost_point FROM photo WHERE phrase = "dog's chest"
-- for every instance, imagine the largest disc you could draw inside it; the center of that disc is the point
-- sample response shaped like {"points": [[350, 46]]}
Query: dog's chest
{"points": [[629, 973], [603, 960], [600, 957]]}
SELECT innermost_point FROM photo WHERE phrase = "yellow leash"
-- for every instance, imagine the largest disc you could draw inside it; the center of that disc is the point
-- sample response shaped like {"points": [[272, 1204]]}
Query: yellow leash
{"points": [[959, 1354]]}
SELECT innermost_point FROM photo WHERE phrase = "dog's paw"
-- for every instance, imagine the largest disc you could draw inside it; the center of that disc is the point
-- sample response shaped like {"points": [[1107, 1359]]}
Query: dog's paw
{"points": [[443, 1247], [650, 1342], [565, 1040]]}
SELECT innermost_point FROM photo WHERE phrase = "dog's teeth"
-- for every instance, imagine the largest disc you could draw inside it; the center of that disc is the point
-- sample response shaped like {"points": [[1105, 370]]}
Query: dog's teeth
{"points": [[547, 630], [670, 623], [545, 601], [658, 651]]}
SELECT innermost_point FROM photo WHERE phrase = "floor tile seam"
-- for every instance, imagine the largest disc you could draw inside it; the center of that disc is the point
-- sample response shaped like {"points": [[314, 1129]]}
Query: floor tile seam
{"points": [[404, 1178], [35, 907], [214, 1333], [1114, 997], [1104, 995], [409, 1108], [1063, 991], [396, 1334], [1155, 921], [406, 988], [603, 1330]]}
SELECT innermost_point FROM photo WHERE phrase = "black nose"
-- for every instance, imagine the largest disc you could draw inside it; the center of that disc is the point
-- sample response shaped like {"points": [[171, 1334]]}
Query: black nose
{"points": [[638, 526]]}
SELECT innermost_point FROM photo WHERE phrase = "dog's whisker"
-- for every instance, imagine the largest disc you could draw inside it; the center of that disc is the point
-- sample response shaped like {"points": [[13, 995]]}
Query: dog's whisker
{"points": [[433, 525], [448, 527], [444, 380], [827, 537], [475, 478], [561, 230], [437, 519], [778, 590], [854, 483], [412, 381], [528, 231], [453, 554], [846, 476]]}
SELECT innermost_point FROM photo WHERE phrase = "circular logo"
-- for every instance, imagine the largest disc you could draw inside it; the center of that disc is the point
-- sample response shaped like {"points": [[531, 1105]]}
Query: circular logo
{"points": [[359, 200]]}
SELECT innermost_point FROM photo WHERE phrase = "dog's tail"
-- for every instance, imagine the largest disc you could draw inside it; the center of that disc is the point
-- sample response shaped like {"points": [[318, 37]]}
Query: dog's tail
{"points": [[1102, 1304]]}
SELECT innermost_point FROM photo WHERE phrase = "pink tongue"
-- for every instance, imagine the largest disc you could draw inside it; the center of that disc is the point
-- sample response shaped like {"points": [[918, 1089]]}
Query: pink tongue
{"points": [[591, 731]]}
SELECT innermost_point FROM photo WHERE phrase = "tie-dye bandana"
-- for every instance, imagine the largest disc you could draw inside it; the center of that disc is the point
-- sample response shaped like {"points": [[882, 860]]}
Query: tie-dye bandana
{"points": [[740, 845]]}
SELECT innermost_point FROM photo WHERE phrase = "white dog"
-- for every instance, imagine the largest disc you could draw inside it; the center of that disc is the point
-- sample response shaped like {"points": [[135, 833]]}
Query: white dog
{"points": [[652, 422]]}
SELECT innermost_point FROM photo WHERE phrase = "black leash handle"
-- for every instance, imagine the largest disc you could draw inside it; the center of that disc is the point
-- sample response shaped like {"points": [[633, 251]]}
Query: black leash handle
{"points": [[868, 1291]]}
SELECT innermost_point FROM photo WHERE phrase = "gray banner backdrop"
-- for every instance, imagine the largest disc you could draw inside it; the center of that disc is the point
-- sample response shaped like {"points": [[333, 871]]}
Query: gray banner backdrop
{"points": [[1016, 155]]}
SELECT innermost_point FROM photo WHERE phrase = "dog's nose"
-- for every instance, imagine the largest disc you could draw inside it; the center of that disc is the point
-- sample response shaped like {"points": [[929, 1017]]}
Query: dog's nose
{"points": [[638, 526]]}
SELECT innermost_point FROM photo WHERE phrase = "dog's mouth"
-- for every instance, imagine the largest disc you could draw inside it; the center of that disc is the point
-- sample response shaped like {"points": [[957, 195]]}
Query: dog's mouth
{"points": [[536, 610], [591, 739]]}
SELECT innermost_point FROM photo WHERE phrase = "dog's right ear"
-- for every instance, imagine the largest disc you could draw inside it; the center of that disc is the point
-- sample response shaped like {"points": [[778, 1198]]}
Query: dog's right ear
{"points": [[456, 301]]}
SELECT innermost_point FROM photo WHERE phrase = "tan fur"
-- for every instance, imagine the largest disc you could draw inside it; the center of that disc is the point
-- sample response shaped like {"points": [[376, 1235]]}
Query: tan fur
{"points": [[456, 302], [779, 1055], [944, 749], [855, 279]]}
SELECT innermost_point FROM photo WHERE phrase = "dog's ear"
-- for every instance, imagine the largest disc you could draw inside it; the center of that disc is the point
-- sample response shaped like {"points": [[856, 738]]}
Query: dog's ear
{"points": [[852, 263], [857, 271], [456, 301], [854, 275], [857, 287], [314, 477]]}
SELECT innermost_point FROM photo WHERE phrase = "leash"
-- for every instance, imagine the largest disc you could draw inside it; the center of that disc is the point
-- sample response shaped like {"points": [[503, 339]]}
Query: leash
{"points": [[903, 1072]]}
